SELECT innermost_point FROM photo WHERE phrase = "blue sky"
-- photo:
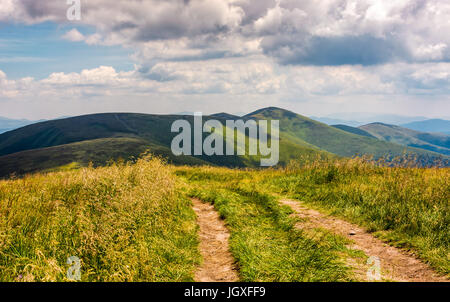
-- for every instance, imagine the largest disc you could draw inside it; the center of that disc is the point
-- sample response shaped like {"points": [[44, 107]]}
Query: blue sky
{"points": [[38, 50], [151, 56]]}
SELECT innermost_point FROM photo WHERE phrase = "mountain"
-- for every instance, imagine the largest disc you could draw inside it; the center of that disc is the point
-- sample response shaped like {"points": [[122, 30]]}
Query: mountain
{"points": [[98, 138], [7, 124], [369, 117], [334, 121], [353, 130], [295, 127], [225, 116], [97, 151], [433, 125], [61, 142], [436, 142]]}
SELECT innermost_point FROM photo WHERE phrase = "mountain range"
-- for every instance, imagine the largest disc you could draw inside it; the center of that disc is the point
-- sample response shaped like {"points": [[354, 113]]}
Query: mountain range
{"points": [[433, 125], [97, 138], [7, 124], [436, 142], [421, 124]]}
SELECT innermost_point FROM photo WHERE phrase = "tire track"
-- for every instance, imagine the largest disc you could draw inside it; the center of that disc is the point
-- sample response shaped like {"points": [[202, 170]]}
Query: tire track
{"points": [[396, 264], [218, 263]]}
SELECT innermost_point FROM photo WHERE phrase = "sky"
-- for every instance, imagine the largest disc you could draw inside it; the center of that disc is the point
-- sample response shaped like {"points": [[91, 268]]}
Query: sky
{"points": [[153, 56]]}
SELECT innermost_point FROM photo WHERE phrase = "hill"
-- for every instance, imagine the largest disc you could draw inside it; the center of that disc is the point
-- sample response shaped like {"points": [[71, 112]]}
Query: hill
{"points": [[99, 137], [436, 142], [433, 125], [74, 155], [7, 124], [353, 130], [300, 128]]}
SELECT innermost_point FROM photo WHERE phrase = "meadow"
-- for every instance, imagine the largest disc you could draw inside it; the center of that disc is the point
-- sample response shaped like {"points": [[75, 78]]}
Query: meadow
{"points": [[134, 221], [125, 222], [408, 207]]}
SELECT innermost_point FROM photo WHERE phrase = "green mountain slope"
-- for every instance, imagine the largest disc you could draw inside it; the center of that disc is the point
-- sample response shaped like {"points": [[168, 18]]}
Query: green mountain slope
{"points": [[98, 138], [353, 130], [429, 141], [331, 139], [97, 151]]}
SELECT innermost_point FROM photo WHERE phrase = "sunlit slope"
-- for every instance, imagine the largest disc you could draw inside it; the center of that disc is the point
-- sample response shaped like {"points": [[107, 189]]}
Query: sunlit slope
{"points": [[436, 142], [98, 138], [74, 155], [331, 139]]}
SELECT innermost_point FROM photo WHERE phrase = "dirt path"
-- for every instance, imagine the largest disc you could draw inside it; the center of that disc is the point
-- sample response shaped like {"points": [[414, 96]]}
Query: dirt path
{"points": [[396, 265], [218, 263]]}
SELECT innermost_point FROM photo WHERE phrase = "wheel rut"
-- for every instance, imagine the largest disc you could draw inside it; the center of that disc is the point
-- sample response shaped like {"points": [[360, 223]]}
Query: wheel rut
{"points": [[218, 264], [396, 264]]}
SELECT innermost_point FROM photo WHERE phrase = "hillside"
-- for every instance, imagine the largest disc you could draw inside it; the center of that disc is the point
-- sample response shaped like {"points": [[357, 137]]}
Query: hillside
{"points": [[99, 137], [436, 142], [297, 127], [353, 130], [7, 124], [432, 125], [74, 155]]}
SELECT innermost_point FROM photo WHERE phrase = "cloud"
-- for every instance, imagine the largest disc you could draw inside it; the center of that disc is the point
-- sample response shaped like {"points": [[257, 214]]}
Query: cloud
{"points": [[244, 51], [74, 35], [333, 32], [329, 51]]}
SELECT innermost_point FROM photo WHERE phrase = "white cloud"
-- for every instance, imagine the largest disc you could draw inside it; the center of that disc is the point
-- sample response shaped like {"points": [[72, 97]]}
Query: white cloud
{"points": [[247, 52], [74, 35]]}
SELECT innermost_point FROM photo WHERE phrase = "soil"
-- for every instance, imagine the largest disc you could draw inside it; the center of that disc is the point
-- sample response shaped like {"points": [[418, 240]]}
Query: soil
{"points": [[218, 263], [396, 264]]}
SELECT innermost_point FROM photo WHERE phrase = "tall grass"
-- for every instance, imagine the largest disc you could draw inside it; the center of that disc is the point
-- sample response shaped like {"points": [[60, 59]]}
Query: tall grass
{"points": [[409, 207], [401, 203], [124, 222], [264, 240]]}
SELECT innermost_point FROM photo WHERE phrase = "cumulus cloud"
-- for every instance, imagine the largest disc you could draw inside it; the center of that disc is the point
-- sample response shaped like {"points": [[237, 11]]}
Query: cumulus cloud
{"points": [[285, 49], [333, 32], [74, 35]]}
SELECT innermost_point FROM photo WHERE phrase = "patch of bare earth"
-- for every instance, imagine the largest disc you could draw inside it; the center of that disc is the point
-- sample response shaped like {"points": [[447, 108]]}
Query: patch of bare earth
{"points": [[396, 264], [218, 263]]}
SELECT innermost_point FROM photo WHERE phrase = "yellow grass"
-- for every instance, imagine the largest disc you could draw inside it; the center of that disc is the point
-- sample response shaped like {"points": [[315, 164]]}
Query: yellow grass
{"points": [[124, 222]]}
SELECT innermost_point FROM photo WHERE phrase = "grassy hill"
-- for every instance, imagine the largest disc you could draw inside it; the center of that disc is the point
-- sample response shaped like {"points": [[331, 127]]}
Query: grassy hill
{"points": [[7, 124], [330, 139], [353, 130], [75, 155], [436, 142], [99, 137]]}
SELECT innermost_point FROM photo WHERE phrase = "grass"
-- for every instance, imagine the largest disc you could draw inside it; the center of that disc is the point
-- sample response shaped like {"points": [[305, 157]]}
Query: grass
{"points": [[264, 240], [134, 222], [125, 222], [408, 207]]}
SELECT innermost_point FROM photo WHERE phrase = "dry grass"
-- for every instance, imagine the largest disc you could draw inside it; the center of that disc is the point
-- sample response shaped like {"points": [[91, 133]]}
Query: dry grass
{"points": [[125, 222]]}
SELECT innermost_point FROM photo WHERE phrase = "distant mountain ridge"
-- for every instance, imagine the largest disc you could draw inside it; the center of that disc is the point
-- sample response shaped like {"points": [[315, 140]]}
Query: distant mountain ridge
{"points": [[431, 125], [7, 124], [100, 137], [354, 130], [436, 142]]}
